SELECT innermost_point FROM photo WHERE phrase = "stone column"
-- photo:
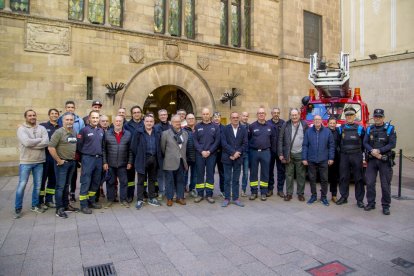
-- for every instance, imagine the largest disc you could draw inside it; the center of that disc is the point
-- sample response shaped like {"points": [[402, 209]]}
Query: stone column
{"points": [[7, 6], [106, 17], [86, 12]]}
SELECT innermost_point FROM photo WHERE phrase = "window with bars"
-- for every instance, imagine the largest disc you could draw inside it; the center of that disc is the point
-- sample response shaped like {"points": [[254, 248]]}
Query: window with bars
{"points": [[312, 32], [239, 29], [172, 13], [96, 11], [22, 6]]}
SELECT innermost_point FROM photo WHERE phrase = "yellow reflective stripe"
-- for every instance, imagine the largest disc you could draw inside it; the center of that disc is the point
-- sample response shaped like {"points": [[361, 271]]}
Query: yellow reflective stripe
{"points": [[50, 191], [209, 186], [200, 186], [253, 184], [83, 197], [131, 184], [42, 193], [156, 183], [145, 183], [91, 193], [264, 184]]}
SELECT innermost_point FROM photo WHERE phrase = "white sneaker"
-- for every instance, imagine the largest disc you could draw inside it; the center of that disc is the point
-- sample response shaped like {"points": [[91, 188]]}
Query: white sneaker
{"points": [[37, 210]]}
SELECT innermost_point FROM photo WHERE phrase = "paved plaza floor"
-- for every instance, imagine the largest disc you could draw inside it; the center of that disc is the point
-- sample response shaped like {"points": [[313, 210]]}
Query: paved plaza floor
{"points": [[263, 238]]}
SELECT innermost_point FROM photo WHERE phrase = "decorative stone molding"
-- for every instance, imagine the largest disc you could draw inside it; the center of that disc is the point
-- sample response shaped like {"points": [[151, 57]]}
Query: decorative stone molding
{"points": [[172, 50], [203, 62], [136, 55], [45, 38]]}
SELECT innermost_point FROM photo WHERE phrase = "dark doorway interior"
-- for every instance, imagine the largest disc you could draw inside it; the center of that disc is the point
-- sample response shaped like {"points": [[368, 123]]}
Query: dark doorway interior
{"points": [[167, 97]]}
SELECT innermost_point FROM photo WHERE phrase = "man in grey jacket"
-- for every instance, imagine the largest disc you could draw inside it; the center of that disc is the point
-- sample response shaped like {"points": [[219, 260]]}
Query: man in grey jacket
{"points": [[290, 153], [174, 149], [33, 140]]}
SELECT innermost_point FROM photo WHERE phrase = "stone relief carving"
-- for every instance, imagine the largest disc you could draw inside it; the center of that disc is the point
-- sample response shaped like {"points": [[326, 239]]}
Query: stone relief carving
{"points": [[203, 62], [136, 55], [172, 51], [48, 38]]}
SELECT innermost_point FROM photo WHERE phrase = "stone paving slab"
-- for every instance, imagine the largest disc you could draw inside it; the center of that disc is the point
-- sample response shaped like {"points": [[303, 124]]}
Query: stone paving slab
{"points": [[263, 238]]}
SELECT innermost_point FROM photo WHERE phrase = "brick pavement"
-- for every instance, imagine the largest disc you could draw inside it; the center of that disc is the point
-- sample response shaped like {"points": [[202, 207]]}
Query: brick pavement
{"points": [[263, 238]]}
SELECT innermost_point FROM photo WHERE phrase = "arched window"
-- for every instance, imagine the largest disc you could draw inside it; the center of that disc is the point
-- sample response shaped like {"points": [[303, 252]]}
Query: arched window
{"points": [[20, 6], [173, 12], [108, 12], [239, 29]]}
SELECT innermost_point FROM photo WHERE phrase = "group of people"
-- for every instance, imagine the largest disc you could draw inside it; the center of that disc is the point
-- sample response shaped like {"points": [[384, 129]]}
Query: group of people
{"points": [[158, 160]]}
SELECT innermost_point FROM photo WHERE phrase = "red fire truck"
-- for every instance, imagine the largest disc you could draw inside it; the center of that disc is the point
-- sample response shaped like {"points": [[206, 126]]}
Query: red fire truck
{"points": [[334, 93]]}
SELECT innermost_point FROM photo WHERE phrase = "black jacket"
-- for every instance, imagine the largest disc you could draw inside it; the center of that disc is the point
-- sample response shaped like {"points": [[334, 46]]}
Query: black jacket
{"points": [[114, 154], [191, 151]]}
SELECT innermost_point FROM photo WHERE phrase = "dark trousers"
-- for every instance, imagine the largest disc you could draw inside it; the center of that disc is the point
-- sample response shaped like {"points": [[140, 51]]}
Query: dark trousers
{"points": [[90, 179], [351, 162], [205, 166], [47, 193], [333, 175], [74, 179], [192, 174], [232, 179], [313, 169], [281, 174], [262, 159], [151, 173], [64, 175], [385, 172], [220, 170], [131, 183], [175, 181], [121, 174], [245, 176]]}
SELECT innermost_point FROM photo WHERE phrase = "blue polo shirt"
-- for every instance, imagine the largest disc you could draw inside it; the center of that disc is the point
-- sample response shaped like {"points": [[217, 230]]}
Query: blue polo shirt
{"points": [[260, 136], [90, 140]]}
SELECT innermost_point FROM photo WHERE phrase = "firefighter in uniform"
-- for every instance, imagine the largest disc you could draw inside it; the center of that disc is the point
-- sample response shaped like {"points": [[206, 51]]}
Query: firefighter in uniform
{"points": [[260, 142], [206, 141], [47, 194], [89, 145], [352, 136], [379, 141]]}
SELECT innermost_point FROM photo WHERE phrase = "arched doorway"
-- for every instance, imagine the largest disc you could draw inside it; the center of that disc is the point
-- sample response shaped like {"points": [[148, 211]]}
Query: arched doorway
{"points": [[169, 97], [170, 74]]}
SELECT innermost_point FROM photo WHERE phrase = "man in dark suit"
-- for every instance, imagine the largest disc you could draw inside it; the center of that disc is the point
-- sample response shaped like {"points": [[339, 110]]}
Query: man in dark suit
{"points": [[234, 143], [174, 149]]}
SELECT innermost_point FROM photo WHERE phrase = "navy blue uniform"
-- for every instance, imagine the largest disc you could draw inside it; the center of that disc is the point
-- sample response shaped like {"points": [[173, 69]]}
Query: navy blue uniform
{"points": [[383, 138], [206, 138], [274, 159], [90, 140], [351, 146], [46, 194], [260, 143], [132, 127]]}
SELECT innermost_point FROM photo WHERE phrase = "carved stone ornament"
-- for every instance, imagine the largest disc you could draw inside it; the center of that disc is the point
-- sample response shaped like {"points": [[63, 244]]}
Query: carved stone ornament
{"points": [[203, 62], [48, 39], [136, 55], [172, 51]]}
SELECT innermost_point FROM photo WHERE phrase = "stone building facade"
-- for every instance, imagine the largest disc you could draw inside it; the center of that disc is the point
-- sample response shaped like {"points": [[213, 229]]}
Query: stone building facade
{"points": [[379, 37], [48, 58]]}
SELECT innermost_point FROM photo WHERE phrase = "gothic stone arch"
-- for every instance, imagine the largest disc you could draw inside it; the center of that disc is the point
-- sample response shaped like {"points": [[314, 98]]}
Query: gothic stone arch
{"points": [[161, 73]]}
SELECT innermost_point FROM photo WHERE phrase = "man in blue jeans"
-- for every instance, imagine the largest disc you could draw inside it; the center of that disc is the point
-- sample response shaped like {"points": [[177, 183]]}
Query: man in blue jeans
{"points": [[62, 148], [33, 140]]}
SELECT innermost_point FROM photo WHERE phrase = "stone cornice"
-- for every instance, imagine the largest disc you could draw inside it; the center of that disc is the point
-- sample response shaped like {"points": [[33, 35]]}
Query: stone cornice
{"points": [[89, 26], [383, 59]]}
